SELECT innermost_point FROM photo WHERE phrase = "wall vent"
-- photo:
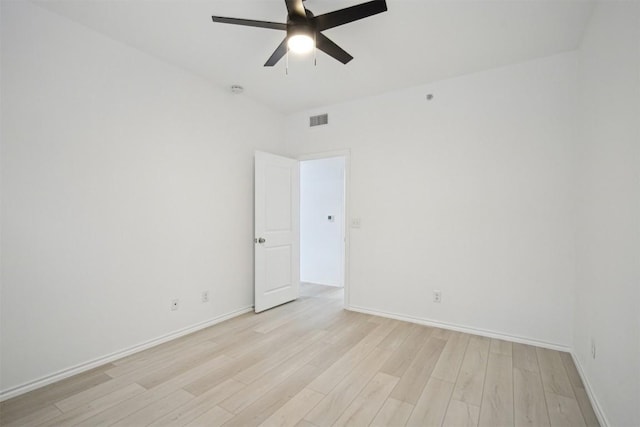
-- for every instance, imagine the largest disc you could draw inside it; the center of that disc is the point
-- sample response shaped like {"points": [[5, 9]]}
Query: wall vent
{"points": [[319, 120]]}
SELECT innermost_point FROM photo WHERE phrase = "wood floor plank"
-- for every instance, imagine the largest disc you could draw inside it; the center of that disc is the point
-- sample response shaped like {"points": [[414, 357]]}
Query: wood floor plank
{"points": [[443, 334], [263, 408], [586, 409], [214, 417], [524, 357], [431, 406], [367, 404], [461, 414], [417, 374], [345, 323], [264, 343], [399, 362], [21, 406], [157, 358], [501, 347], [294, 410], [214, 377], [258, 369], [564, 411], [336, 349], [37, 417], [133, 405], [530, 407], [470, 380], [179, 366], [89, 395], [393, 413], [581, 396], [80, 414], [343, 366], [451, 358], [572, 371], [554, 375], [193, 409], [497, 399], [399, 334], [185, 371], [155, 410], [331, 407], [317, 307], [245, 397]]}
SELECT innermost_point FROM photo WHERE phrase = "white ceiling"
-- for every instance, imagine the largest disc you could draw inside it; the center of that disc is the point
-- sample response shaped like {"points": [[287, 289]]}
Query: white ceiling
{"points": [[415, 42]]}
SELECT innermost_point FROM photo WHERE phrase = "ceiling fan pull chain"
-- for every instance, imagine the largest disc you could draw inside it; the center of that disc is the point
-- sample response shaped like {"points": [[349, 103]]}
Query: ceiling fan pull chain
{"points": [[286, 68], [315, 49]]}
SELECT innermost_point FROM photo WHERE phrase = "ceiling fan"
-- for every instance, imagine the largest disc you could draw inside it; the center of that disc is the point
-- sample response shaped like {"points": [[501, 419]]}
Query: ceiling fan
{"points": [[304, 30]]}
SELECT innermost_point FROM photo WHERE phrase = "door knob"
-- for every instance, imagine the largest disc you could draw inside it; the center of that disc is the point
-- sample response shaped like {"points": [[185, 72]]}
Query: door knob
{"points": [[261, 240]]}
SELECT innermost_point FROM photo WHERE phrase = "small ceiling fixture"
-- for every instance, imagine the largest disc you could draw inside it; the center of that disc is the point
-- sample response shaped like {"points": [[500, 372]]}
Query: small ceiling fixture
{"points": [[304, 30], [237, 89]]}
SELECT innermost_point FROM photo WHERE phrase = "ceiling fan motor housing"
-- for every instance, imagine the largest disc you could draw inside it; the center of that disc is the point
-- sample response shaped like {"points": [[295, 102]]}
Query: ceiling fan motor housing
{"points": [[301, 26]]}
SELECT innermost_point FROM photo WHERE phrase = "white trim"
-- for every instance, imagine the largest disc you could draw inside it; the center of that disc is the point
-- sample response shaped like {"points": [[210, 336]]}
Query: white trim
{"points": [[82, 367], [347, 203], [324, 155], [602, 419], [460, 328]]}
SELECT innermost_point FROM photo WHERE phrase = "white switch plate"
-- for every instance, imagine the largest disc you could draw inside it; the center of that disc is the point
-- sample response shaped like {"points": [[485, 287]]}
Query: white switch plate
{"points": [[356, 222]]}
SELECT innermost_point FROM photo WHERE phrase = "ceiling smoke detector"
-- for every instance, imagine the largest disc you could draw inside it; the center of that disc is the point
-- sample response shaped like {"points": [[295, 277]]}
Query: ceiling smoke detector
{"points": [[237, 89]]}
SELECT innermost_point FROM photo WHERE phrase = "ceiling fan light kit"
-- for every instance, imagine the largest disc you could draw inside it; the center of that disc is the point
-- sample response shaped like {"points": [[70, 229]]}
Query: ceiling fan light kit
{"points": [[304, 30], [300, 43]]}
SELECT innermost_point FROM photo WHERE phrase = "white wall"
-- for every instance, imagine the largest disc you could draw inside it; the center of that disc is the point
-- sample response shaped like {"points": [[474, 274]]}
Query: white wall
{"points": [[321, 240], [608, 211], [470, 193], [126, 182]]}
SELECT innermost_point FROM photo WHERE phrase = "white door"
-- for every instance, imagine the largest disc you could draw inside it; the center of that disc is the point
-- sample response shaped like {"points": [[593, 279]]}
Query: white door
{"points": [[277, 252]]}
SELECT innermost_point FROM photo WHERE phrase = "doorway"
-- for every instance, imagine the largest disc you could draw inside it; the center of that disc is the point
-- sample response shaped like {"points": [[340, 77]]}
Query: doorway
{"points": [[323, 220]]}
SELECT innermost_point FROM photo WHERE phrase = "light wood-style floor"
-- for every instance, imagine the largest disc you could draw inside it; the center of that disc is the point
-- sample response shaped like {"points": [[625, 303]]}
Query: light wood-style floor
{"points": [[311, 363]]}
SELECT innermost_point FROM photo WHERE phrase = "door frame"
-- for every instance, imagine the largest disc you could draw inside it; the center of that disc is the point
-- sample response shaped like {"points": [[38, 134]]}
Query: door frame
{"points": [[347, 197]]}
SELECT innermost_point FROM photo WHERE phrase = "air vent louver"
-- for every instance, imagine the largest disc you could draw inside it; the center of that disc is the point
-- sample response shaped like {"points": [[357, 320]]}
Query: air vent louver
{"points": [[319, 120]]}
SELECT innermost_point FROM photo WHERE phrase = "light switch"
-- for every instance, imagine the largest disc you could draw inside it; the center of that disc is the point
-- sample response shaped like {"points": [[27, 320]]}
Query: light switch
{"points": [[355, 222]]}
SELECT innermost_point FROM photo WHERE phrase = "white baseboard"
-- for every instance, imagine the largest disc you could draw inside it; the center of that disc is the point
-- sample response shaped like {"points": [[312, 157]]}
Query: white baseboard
{"points": [[460, 328], [74, 370], [602, 419]]}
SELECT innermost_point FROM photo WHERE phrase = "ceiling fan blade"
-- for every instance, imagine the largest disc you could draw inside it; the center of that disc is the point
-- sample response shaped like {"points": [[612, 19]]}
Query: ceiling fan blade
{"points": [[349, 14], [250, 23], [330, 48], [280, 51], [295, 7]]}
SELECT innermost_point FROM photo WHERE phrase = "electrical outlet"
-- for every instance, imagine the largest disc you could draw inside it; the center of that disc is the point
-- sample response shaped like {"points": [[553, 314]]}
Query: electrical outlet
{"points": [[205, 296], [437, 296], [593, 349], [175, 303]]}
